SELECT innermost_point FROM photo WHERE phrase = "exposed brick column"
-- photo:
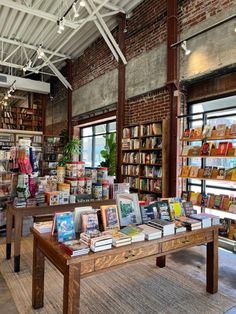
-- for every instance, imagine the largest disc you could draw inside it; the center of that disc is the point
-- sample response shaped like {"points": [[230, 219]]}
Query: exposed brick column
{"points": [[121, 96]]}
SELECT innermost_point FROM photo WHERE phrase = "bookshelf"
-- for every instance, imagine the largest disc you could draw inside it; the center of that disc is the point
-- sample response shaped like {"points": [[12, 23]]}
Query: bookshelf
{"points": [[209, 145], [145, 158], [52, 152]]}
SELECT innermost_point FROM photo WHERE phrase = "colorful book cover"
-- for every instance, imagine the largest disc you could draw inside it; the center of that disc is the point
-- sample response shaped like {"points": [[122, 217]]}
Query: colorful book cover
{"points": [[194, 198], [207, 129], [221, 174], [176, 209], [220, 130], [65, 226], [131, 230], [207, 172], [148, 212], [188, 208], [233, 129], [89, 222], [218, 200], [110, 218], [185, 195], [194, 172], [222, 149], [128, 209], [185, 171], [163, 210]]}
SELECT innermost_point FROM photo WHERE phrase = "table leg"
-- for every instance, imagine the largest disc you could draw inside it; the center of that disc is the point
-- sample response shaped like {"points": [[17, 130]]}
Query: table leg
{"points": [[212, 265], [37, 277], [71, 292], [17, 240], [9, 231], [161, 261]]}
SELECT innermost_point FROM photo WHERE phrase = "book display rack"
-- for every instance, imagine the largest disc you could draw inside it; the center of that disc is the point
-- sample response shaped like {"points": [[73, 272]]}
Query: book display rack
{"points": [[207, 159], [145, 158], [52, 152]]}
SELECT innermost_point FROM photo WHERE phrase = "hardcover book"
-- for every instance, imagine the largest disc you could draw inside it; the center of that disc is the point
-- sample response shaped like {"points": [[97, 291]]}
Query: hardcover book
{"points": [[207, 172], [185, 150], [65, 226], [75, 247], [77, 216], [150, 232], [222, 149], [220, 130], [221, 174], [188, 208], [185, 171], [233, 129], [163, 211], [207, 129], [110, 217], [89, 222], [194, 171], [148, 212]]}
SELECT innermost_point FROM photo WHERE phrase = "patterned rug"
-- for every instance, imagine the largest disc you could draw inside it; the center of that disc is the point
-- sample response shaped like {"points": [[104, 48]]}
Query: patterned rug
{"points": [[136, 288]]}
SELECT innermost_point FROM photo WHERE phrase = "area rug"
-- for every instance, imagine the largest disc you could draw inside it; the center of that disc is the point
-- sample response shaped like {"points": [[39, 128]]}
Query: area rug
{"points": [[136, 288]]}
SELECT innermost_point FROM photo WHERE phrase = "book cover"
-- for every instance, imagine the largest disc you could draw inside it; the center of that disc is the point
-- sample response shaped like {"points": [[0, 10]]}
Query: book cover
{"points": [[218, 200], [131, 230], [77, 216], [163, 210], [185, 150], [211, 201], [176, 209], [148, 212], [221, 174], [233, 129], [89, 222], [195, 150], [74, 246], [207, 129], [188, 208], [206, 148], [185, 171], [110, 217], [65, 226], [222, 149], [220, 130], [197, 132], [194, 198], [185, 195], [187, 133], [128, 209], [207, 172], [194, 171]]}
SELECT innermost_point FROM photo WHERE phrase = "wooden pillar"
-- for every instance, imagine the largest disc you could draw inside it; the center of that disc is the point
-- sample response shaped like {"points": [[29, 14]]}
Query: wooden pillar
{"points": [[171, 84], [121, 95], [69, 99], [44, 104]]}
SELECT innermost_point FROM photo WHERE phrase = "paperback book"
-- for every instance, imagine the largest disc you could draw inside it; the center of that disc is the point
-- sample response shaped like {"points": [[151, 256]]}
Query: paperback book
{"points": [[75, 247], [110, 217], [65, 226]]}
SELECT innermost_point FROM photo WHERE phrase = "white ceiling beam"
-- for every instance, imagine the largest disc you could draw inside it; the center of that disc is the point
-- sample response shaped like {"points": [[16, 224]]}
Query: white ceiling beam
{"points": [[18, 43], [19, 66], [74, 32], [104, 35], [108, 33], [110, 6], [35, 12], [12, 53]]}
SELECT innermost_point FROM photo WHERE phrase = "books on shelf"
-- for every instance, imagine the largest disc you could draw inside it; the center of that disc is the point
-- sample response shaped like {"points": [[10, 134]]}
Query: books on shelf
{"points": [[222, 148], [193, 173], [75, 247], [207, 129], [196, 133], [220, 130], [185, 171]]}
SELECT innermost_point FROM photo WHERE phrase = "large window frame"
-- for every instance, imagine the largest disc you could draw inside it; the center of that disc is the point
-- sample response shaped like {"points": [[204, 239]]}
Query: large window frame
{"points": [[202, 118], [93, 135]]}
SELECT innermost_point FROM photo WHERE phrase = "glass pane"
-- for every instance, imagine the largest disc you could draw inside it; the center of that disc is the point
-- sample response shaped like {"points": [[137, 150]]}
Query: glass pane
{"points": [[86, 155], [112, 126], [100, 143], [86, 131], [100, 129]]}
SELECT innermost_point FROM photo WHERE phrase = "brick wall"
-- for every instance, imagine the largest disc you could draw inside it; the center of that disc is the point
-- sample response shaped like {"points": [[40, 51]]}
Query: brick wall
{"points": [[152, 106], [193, 12]]}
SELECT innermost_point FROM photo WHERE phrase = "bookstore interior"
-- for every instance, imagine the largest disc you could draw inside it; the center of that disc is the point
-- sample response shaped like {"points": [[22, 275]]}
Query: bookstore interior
{"points": [[85, 191]]}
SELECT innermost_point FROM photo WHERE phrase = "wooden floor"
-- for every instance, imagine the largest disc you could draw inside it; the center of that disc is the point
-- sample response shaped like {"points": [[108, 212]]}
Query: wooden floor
{"points": [[192, 260]]}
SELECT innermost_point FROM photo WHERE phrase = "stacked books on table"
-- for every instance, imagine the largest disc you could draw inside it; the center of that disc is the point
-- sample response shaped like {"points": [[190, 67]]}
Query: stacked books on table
{"points": [[190, 223], [166, 227], [207, 220], [75, 247], [98, 243], [43, 227], [134, 232], [179, 227], [150, 232], [120, 239]]}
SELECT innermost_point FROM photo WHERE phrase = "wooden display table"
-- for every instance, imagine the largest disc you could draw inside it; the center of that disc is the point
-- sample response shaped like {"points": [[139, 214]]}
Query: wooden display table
{"points": [[19, 213], [75, 268]]}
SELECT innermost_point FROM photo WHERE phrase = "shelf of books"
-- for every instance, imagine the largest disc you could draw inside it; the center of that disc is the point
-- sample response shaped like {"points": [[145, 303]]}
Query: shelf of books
{"points": [[145, 157], [207, 169]]}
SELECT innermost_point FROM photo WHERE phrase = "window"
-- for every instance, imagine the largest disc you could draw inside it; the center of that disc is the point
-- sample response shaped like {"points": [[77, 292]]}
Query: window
{"points": [[93, 139], [217, 116]]}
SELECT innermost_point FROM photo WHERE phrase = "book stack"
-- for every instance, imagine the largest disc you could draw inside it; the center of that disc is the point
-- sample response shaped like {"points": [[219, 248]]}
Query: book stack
{"points": [[166, 227], [75, 247], [150, 232], [120, 239], [179, 227], [19, 202], [43, 227], [97, 241], [135, 233], [190, 223], [205, 221]]}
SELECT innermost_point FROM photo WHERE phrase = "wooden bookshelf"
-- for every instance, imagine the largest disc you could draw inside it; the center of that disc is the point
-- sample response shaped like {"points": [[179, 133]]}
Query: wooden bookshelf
{"points": [[150, 158]]}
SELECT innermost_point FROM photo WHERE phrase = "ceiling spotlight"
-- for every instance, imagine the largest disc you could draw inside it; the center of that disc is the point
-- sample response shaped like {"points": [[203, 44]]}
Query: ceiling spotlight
{"points": [[76, 13], [6, 96], [5, 104], [184, 47], [40, 52], [9, 94], [82, 3]]}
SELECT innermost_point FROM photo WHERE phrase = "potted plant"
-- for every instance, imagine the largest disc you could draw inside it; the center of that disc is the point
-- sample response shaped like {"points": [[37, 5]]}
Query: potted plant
{"points": [[71, 151], [109, 154]]}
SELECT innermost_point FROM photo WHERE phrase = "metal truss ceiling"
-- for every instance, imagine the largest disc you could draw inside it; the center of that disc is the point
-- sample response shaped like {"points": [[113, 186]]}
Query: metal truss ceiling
{"points": [[26, 25]]}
